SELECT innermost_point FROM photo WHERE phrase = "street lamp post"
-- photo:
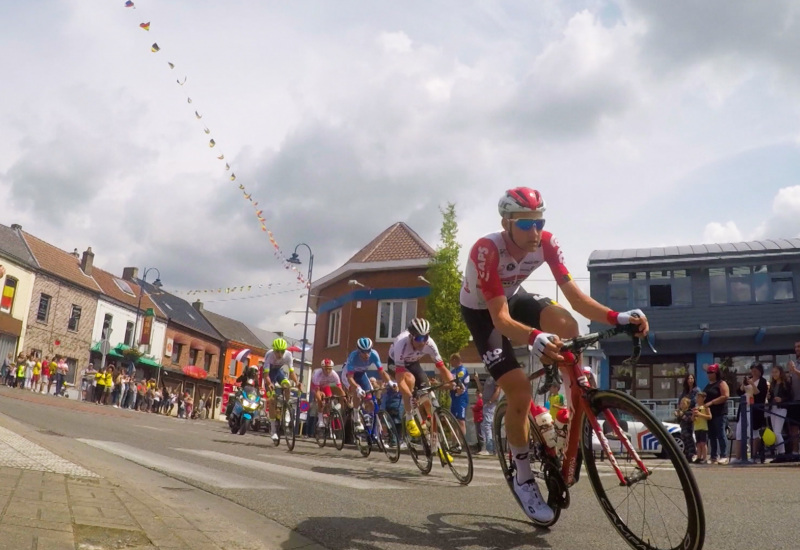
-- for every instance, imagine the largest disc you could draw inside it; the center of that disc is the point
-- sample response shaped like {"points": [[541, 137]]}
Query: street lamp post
{"points": [[295, 259], [157, 284]]}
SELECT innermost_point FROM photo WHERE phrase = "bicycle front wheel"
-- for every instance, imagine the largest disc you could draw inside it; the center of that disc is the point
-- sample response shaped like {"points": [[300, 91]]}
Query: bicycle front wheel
{"points": [[337, 429], [655, 508], [321, 432], [362, 435], [420, 449], [288, 427], [388, 437], [454, 447]]}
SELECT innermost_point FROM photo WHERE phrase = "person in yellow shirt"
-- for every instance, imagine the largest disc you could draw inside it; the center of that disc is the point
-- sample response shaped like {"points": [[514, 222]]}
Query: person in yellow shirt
{"points": [[555, 400], [100, 386], [37, 371]]}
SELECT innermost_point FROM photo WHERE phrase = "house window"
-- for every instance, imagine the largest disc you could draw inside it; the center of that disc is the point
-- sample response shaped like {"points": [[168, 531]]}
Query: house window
{"points": [[44, 308], [394, 316], [74, 319], [194, 355], [129, 333], [9, 290], [232, 368], [107, 325], [334, 327], [207, 361], [665, 288], [751, 284], [176, 352]]}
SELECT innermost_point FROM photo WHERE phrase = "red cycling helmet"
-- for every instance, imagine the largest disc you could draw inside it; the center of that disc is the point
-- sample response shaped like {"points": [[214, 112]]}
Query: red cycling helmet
{"points": [[326, 363], [520, 199]]}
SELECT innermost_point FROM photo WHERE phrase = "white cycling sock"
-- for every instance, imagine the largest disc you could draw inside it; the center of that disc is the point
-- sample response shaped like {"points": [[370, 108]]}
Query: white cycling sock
{"points": [[522, 462]]}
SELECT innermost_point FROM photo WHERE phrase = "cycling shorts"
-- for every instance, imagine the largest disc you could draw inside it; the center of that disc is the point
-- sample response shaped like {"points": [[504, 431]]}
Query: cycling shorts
{"points": [[278, 377], [494, 348], [420, 378], [362, 380], [458, 407]]}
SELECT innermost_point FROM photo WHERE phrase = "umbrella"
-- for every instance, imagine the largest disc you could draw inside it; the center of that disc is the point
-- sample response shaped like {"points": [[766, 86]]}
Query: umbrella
{"points": [[294, 348], [194, 371]]}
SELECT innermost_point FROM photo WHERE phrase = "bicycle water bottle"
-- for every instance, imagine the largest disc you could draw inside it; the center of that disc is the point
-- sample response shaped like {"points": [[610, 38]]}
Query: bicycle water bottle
{"points": [[544, 421], [560, 428]]}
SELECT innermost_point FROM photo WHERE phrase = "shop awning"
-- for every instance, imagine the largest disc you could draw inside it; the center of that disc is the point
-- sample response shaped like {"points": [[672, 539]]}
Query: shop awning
{"points": [[149, 362], [115, 352]]}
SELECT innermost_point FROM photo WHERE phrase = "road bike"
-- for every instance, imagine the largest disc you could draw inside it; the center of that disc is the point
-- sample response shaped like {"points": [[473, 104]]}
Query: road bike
{"points": [[286, 409], [444, 438], [333, 423], [653, 503], [378, 429]]}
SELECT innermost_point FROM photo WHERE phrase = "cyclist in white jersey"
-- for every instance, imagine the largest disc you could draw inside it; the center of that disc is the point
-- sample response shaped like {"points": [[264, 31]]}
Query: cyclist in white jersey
{"points": [[277, 358], [497, 311], [408, 348]]}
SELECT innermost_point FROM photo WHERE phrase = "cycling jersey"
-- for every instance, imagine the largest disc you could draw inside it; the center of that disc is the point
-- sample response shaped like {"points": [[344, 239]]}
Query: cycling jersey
{"points": [[356, 362], [403, 354], [492, 271], [275, 362], [461, 377], [320, 379]]}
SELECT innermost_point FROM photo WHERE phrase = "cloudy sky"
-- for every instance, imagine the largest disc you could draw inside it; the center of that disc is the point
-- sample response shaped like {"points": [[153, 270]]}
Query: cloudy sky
{"points": [[643, 124]]}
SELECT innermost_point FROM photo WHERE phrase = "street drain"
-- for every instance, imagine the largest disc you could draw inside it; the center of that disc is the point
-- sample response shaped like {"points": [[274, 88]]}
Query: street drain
{"points": [[90, 537]]}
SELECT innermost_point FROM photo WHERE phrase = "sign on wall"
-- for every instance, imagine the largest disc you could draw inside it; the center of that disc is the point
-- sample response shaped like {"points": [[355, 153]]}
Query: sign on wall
{"points": [[168, 348]]}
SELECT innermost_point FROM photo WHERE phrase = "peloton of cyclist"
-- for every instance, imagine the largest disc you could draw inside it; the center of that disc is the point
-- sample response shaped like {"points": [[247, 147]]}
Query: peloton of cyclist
{"points": [[277, 358], [355, 369], [325, 383], [496, 311], [407, 349]]}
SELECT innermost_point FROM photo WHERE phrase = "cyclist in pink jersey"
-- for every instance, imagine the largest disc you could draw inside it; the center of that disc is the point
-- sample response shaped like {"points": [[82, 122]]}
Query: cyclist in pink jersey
{"points": [[497, 310], [325, 382]]}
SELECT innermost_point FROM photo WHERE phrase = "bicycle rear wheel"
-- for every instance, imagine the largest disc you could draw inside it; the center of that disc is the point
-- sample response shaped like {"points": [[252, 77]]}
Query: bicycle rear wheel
{"points": [[454, 446], [420, 449], [288, 426], [362, 436], [545, 469], [337, 429], [660, 509], [388, 437]]}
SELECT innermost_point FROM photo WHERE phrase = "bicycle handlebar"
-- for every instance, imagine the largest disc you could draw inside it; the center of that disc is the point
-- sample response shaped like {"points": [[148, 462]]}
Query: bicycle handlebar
{"points": [[578, 344]]}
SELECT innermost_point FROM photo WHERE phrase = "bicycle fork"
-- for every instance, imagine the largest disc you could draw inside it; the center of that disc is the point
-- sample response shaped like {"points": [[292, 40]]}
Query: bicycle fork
{"points": [[624, 481]]}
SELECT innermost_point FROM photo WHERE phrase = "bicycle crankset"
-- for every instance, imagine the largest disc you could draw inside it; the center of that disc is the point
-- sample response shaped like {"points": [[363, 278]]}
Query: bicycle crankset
{"points": [[558, 493]]}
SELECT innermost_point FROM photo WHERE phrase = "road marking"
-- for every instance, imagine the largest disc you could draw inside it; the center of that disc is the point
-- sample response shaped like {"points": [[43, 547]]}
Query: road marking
{"points": [[18, 452], [153, 428], [304, 475], [175, 466]]}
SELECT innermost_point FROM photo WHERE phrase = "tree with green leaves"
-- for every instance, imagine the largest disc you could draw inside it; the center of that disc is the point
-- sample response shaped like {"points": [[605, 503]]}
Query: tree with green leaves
{"points": [[443, 307]]}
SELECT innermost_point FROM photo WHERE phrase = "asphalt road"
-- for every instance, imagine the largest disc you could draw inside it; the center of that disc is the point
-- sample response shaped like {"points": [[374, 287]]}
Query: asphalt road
{"points": [[344, 501]]}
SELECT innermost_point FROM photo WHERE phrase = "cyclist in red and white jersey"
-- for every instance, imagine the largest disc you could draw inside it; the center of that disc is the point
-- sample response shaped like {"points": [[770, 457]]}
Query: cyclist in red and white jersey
{"points": [[325, 382], [497, 310]]}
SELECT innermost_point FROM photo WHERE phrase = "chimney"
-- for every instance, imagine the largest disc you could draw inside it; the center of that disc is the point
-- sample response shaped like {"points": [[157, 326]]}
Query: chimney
{"points": [[16, 227], [76, 254], [198, 305], [130, 273], [87, 261]]}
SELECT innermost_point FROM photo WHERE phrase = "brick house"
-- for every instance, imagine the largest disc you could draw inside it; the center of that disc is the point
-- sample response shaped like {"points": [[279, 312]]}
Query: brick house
{"points": [[17, 290], [63, 306], [374, 294]]}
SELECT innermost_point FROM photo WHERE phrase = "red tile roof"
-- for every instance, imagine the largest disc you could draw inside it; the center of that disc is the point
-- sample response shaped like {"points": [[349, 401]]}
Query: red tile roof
{"points": [[111, 289], [59, 262], [398, 242]]}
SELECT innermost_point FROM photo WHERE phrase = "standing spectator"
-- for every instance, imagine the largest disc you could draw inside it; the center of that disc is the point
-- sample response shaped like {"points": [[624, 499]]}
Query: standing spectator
{"points": [[53, 370], [7, 364], [491, 395], [690, 390], [37, 373], [99, 386], [208, 406], [189, 405], [778, 394], [685, 418], [87, 383], [45, 379], [20, 371], [62, 368], [717, 393], [181, 405], [459, 394], [173, 402], [201, 406], [29, 364], [701, 416], [141, 395], [793, 411], [477, 419], [555, 400], [755, 388]]}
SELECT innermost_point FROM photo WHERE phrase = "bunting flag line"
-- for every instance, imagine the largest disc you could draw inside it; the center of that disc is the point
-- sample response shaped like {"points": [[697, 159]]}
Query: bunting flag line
{"points": [[277, 252], [239, 289]]}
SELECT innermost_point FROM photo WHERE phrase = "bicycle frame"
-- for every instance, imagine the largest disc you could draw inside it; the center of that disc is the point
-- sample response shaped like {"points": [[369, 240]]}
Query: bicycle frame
{"points": [[433, 430], [578, 389], [375, 423]]}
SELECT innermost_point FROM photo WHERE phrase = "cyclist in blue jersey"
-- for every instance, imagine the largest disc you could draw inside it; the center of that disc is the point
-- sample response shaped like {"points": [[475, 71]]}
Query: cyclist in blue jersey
{"points": [[459, 396], [355, 369]]}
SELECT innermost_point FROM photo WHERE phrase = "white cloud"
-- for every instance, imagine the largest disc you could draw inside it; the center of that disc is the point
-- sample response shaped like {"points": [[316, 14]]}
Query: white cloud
{"points": [[395, 42], [727, 232]]}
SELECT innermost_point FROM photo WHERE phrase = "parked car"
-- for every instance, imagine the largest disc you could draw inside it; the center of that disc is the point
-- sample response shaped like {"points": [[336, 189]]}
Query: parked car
{"points": [[641, 438]]}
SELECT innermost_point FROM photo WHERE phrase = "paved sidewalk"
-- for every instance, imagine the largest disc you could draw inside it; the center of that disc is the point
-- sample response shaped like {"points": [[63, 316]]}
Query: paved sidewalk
{"points": [[48, 502]]}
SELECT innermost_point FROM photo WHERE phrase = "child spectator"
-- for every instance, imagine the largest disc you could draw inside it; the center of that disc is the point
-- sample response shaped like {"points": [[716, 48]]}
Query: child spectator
{"points": [[701, 416], [684, 416], [555, 401]]}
